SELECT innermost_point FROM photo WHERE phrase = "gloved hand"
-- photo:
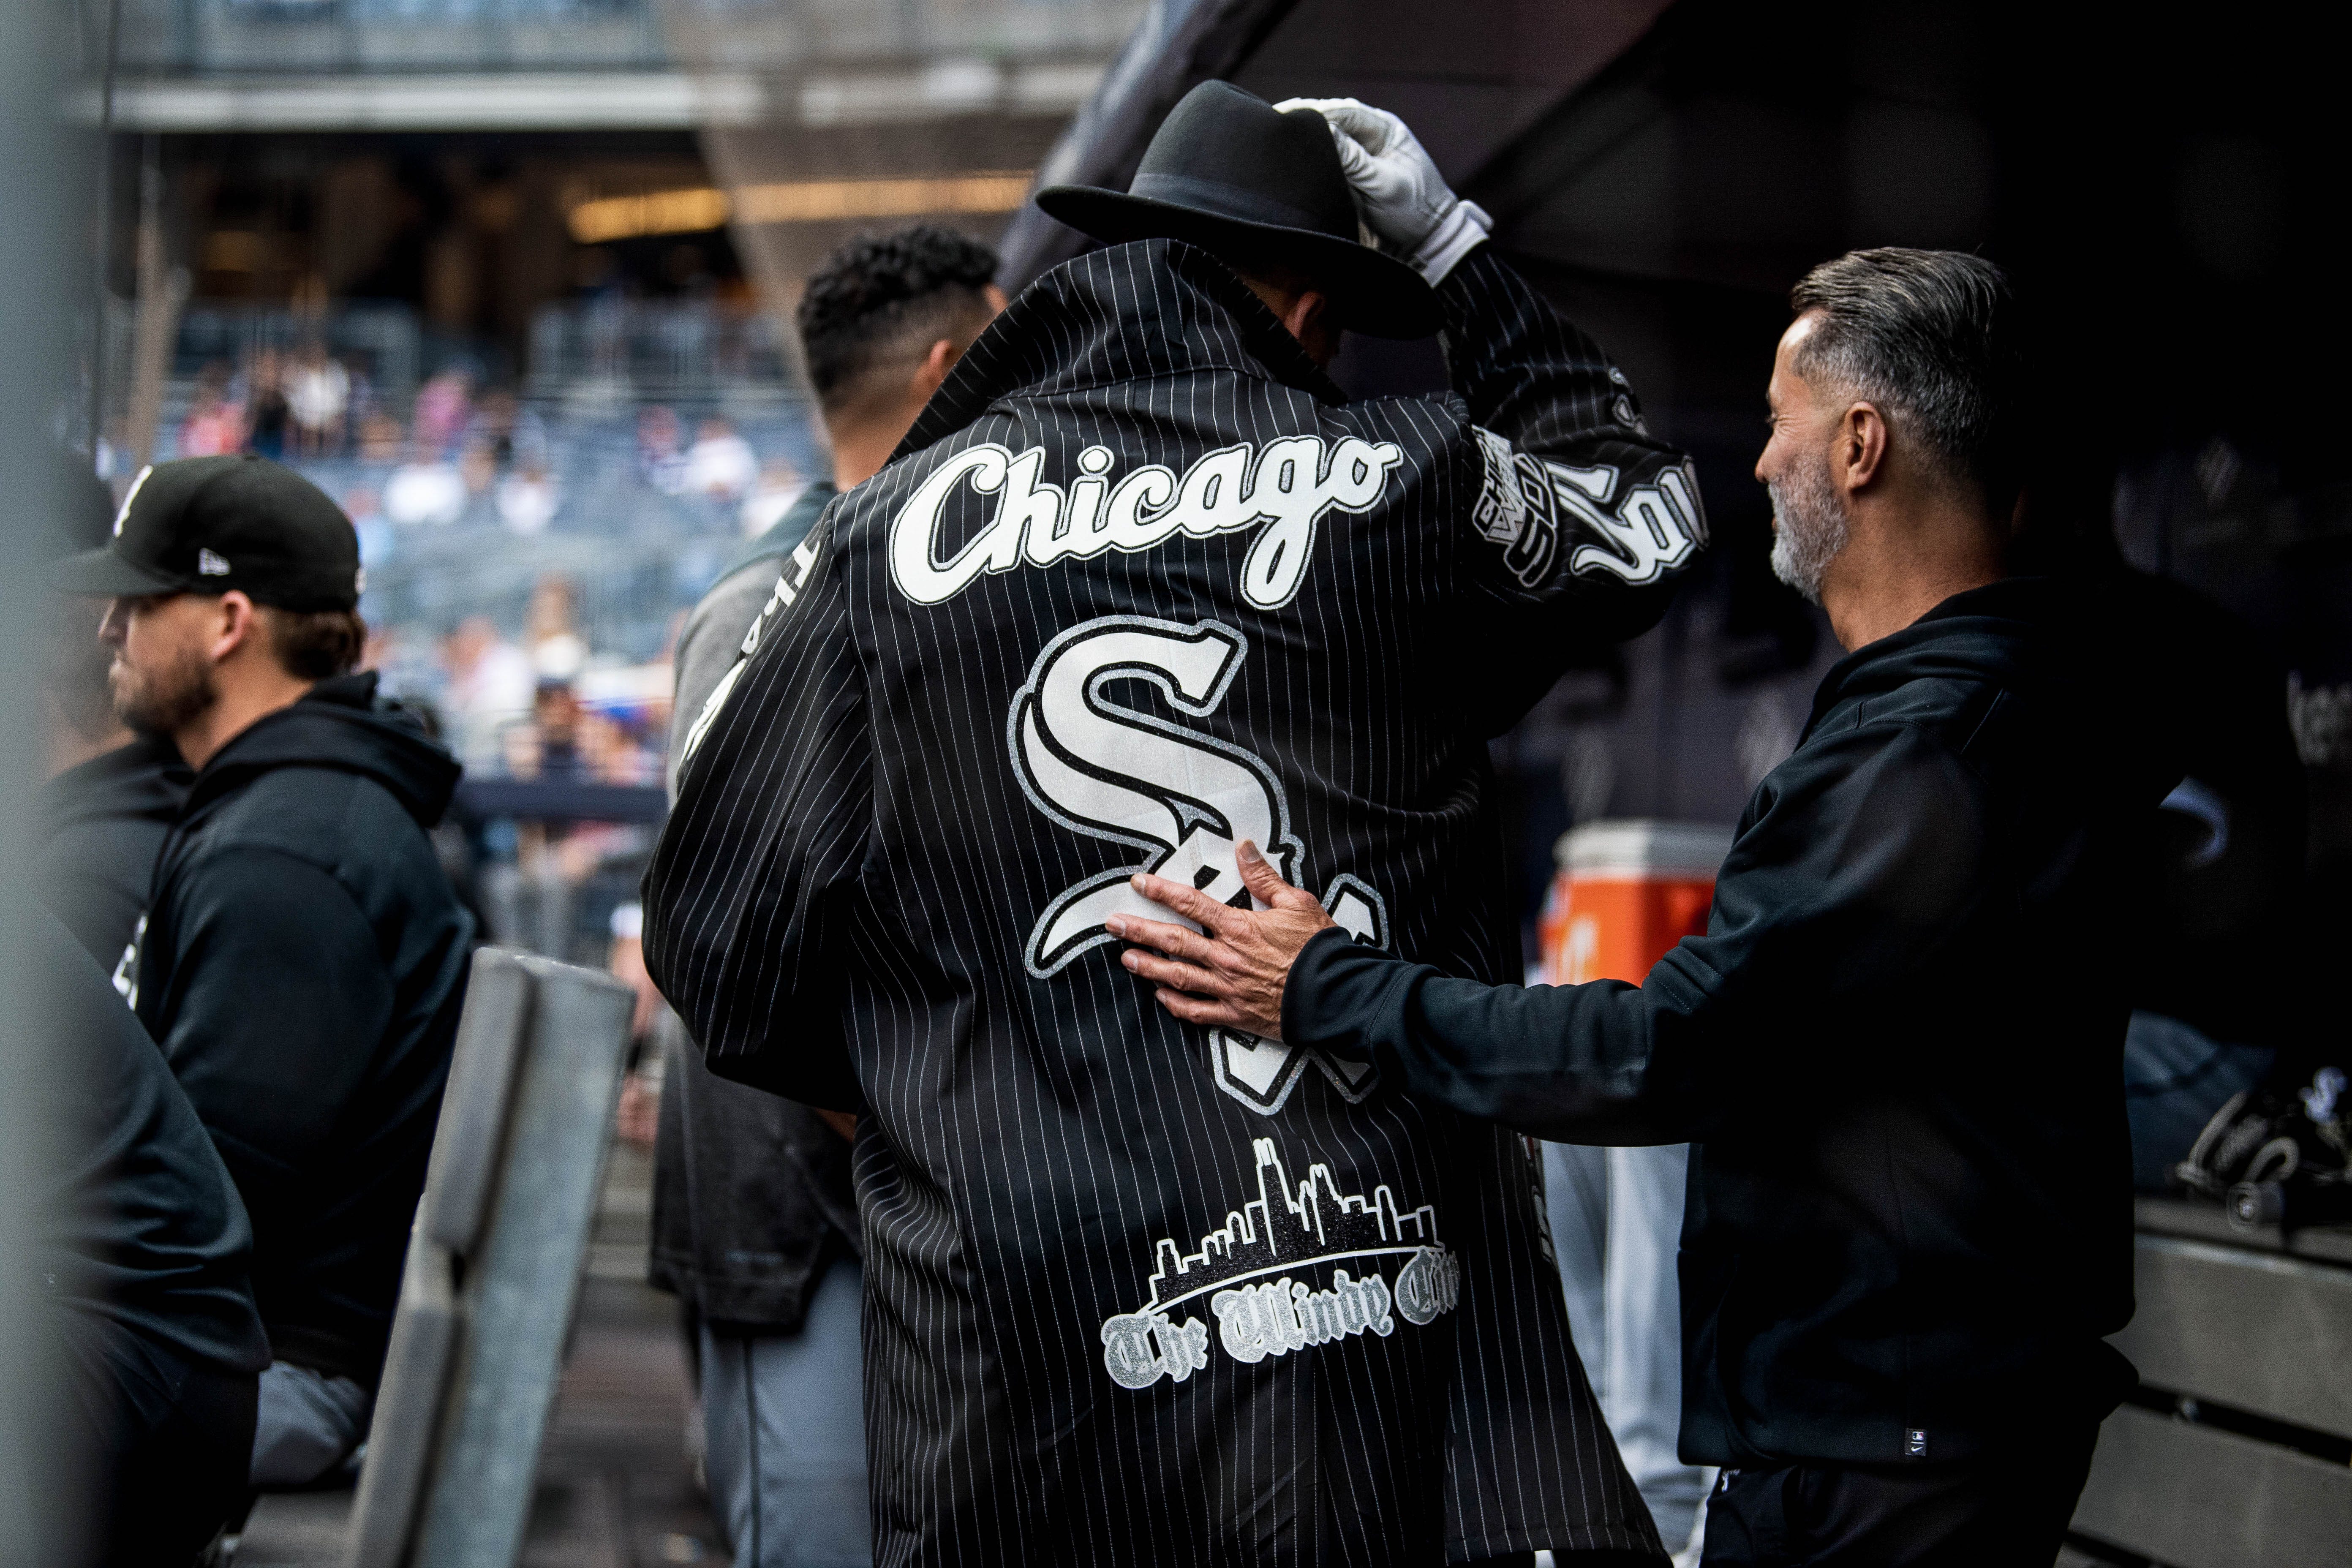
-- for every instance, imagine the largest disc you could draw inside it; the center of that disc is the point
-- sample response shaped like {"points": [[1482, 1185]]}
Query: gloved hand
{"points": [[1403, 198]]}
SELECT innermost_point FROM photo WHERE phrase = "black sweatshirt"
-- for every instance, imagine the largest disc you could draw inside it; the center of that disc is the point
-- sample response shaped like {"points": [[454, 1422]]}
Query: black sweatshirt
{"points": [[302, 966], [101, 826], [141, 1239], [1898, 1048]]}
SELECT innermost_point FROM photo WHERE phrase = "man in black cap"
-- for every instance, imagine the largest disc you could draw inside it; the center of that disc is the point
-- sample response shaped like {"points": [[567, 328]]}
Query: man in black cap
{"points": [[112, 794], [1141, 583], [302, 958]]}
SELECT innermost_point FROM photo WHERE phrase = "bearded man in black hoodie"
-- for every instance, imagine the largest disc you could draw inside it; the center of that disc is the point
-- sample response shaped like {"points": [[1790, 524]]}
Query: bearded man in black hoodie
{"points": [[1897, 1050], [112, 794], [302, 958]]}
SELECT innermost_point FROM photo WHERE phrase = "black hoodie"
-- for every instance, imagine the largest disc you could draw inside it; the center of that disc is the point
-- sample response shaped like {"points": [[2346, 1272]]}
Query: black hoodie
{"points": [[101, 825], [1898, 1048], [302, 965], [139, 1227]]}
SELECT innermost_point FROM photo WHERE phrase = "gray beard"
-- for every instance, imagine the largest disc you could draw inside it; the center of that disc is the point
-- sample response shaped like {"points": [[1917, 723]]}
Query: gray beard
{"points": [[1809, 526]]}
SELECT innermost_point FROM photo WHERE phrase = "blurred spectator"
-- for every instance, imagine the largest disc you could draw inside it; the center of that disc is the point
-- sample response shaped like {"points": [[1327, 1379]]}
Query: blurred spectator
{"points": [[265, 412], [425, 490], [548, 747], [720, 464], [317, 396], [375, 529], [477, 470], [659, 462], [561, 656], [780, 486], [214, 425], [363, 403], [490, 685], [444, 405], [143, 1252], [558, 652], [379, 439], [511, 433], [303, 958], [528, 500], [614, 753]]}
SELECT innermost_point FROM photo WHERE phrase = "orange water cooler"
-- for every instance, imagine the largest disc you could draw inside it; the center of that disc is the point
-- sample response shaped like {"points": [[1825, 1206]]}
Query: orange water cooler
{"points": [[1626, 893]]}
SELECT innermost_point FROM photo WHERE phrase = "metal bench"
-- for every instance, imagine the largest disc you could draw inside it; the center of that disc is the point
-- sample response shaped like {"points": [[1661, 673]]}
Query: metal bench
{"points": [[2247, 1338], [493, 1271]]}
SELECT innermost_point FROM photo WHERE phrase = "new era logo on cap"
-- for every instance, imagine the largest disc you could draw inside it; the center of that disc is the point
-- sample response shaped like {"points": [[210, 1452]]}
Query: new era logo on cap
{"points": [[210, 564]]}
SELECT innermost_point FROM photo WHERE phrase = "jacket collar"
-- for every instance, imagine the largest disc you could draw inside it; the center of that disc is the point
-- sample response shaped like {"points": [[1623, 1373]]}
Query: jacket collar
{"points": [[1985, 633], [337, 725], [1131, 312]]}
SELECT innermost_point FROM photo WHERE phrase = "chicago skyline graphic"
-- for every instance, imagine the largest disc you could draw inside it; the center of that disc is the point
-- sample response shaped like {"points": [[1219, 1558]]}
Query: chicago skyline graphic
{"points": [[1315, 1223]]}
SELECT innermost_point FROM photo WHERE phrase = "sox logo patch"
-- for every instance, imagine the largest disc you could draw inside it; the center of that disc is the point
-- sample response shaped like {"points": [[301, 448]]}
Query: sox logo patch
{"points": [[1525, 503], [1111, 771]]}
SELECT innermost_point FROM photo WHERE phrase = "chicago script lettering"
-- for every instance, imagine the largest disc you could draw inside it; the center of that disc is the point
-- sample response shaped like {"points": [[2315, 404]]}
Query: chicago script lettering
{"points": [[1287, 485]]}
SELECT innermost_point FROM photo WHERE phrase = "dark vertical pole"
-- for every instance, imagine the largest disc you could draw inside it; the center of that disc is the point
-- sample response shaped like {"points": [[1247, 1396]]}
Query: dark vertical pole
{"points": [[105, 227], [40, 221]]}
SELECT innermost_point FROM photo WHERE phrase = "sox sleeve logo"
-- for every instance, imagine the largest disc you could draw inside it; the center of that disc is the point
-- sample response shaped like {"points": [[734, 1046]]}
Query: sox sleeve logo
{"points": [[1526, 502], [1187, 799]]}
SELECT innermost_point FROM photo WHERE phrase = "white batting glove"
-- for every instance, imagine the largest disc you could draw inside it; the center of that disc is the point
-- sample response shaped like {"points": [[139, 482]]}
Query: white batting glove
{"points": [[1403, 198]]}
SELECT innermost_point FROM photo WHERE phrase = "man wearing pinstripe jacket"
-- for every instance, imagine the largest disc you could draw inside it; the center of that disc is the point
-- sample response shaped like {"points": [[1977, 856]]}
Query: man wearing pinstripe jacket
{"points": [[1142, 585]]}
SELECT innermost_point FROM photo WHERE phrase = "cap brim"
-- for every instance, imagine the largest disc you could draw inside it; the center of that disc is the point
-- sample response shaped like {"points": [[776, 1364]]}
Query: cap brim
{"points": [[103, 575], [1376, 295]]}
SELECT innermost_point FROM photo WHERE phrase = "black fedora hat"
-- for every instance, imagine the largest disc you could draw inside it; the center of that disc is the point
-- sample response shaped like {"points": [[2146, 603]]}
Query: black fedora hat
{"points": [[1227, 172]]}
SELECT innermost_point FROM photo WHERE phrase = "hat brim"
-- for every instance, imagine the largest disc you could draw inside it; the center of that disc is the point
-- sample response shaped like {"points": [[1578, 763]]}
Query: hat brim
{"points": [[103, 575], [1375, 294]]}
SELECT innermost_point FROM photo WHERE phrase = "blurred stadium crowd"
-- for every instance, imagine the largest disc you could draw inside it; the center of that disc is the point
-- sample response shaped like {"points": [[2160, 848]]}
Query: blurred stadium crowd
{"points": [[530, 550]]}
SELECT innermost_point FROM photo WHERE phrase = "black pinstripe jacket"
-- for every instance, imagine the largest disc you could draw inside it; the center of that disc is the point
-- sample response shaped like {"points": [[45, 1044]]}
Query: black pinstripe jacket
{"points": [[1141, 583]]}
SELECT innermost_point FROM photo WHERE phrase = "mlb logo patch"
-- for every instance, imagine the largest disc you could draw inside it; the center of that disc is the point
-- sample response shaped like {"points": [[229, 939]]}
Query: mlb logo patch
{"points": [[1914, 1444]]}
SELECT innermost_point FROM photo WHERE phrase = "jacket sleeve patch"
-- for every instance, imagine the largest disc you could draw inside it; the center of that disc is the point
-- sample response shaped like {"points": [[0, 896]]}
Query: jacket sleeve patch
{"points": [[1516, 508], [1635, 532]]}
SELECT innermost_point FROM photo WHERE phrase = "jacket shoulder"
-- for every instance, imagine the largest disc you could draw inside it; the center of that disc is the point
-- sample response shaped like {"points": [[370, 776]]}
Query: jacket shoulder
{"points": [[345, 823], [1971, 715]]}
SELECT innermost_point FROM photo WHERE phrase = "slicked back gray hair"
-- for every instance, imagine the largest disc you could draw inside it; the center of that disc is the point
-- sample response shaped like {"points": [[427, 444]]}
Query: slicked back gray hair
{"points": [[1927, 336]]}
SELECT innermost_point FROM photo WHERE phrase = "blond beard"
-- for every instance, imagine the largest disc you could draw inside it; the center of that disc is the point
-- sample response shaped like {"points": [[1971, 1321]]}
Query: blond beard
{"points": [[163, 700]]}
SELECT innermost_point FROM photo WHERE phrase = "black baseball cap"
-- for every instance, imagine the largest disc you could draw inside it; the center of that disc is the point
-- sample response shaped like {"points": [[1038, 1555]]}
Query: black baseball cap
{"points": [[207, 525]]}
